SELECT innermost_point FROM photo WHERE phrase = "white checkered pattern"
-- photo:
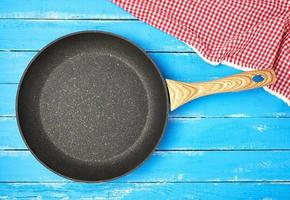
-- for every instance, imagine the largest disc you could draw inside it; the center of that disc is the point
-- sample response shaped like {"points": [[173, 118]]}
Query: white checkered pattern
{"points": [[252, 34]]}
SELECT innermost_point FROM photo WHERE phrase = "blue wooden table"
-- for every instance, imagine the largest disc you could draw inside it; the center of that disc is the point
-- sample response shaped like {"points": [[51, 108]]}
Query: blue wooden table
{"points": [[227, 146]]}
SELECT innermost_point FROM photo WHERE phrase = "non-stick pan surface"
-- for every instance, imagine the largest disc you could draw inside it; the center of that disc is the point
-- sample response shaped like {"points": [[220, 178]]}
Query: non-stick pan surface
{"points": [[91, 106]]}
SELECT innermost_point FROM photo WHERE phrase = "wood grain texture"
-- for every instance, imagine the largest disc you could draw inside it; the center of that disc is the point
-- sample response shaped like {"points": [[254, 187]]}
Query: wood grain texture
{"points": [[181, 92], [196, 134], [168, 191], [169, 166]]}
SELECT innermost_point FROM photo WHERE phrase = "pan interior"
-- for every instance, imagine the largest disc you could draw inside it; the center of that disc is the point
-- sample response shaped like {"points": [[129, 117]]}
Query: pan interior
{"points": [[92, 106]]}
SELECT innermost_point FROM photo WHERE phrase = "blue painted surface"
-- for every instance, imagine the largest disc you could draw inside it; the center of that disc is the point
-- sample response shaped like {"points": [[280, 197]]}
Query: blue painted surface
{"points": [[227, 146]]}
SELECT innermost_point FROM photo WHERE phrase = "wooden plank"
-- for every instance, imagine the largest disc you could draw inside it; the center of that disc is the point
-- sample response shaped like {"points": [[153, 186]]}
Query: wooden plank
{"points": [[259, 104], [35, 34], [7, 99], [13, 64], [170, 166], [179, 66], [62, 9], [197, 134], [226, 133], [209, 191]]}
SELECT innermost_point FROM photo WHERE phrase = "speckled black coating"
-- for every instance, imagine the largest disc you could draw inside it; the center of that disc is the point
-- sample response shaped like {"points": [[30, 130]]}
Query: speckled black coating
{"points": [[92, 106]]}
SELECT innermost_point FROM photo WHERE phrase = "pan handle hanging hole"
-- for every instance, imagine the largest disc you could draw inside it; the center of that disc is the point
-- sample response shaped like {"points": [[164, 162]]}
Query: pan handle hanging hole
{"points": [[258, 78]]}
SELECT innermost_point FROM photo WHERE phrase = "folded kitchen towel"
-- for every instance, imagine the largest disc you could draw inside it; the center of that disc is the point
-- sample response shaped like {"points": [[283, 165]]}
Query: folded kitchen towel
{"points": [[246, 34]]}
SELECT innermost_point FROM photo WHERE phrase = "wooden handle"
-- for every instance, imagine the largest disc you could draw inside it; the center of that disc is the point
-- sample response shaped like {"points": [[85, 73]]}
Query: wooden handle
{"points": [[181, 92]]}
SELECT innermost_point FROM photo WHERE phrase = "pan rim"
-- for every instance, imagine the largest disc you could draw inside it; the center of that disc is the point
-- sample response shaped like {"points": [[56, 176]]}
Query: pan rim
{"points": [[25, 72]]}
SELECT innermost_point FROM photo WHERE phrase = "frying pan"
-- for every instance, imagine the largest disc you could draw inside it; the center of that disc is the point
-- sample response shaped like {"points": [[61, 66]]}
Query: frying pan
{"points": [[92, 106]]}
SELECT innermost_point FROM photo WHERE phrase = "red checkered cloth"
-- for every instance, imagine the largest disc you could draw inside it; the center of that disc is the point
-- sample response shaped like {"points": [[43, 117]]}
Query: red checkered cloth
{"points": [[246, 34]]}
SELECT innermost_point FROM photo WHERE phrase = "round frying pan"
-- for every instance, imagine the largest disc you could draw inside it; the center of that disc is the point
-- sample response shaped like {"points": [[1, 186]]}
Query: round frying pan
{"points": [[92, 106]]}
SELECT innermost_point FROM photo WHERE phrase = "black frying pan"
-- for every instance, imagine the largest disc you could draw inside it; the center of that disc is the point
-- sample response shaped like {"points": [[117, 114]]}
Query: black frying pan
{"points": [[92, 106]]}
